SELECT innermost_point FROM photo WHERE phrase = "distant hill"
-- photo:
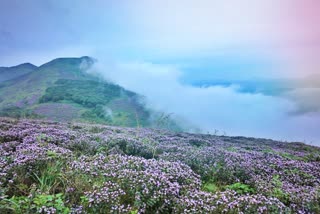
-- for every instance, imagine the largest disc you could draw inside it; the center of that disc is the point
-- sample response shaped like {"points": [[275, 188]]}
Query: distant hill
{"points": [[62, 90], [8, 73]]}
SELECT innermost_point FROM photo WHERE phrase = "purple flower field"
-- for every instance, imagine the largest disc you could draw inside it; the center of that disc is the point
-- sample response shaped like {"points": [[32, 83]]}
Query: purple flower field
{"points": [[50, 167]]}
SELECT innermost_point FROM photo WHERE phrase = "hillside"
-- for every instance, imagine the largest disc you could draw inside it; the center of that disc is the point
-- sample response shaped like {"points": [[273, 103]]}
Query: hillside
{"points": [[8, 73], [51, 167], [62, 90]]}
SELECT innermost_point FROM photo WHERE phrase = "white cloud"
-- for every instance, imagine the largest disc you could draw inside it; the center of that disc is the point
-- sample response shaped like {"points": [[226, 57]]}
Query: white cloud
{"points": [[215, 107], [307, 99]]}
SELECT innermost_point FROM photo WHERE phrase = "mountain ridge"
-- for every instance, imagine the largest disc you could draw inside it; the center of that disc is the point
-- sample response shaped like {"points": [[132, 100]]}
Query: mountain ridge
{"points": [[63, 90], [8, 73]]}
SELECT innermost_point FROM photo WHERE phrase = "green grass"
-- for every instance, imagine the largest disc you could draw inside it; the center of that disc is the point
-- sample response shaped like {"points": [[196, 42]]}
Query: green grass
{"points": [[17, 112]]}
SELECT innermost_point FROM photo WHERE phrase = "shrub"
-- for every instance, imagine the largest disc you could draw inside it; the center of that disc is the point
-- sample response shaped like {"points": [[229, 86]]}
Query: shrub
{"points": [[241, 188]]}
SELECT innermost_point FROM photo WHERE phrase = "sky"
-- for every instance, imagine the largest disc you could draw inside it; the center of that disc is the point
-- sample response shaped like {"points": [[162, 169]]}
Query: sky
{"points": [[165, 49]]}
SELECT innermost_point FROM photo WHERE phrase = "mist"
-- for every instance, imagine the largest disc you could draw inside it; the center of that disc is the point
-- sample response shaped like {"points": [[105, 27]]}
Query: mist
{"points": [[214, 108]]}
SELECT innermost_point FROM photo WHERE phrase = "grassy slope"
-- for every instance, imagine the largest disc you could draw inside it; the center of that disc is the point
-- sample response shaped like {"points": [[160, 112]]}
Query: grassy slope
{"points": [[28, 88], [60, 90], [99, 101]]}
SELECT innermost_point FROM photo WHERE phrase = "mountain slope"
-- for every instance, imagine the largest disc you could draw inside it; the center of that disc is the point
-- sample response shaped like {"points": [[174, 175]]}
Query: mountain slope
{"points": [[8, 73], [62, 90], [25, 91]]}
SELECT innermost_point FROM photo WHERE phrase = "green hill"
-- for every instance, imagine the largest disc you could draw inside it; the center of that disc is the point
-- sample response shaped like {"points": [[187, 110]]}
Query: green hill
{"points": [[62, 90], [8, 73]]}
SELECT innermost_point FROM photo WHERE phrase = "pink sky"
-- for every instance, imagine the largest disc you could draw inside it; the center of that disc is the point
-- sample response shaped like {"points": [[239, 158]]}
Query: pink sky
{"points": [[299, 35]]}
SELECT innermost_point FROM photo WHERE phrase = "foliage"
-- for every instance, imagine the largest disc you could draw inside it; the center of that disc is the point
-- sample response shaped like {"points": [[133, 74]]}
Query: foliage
{"points": [[97, 114], [88, 93], [210, 187], [277, 191], [241, 188], [17, 112], [40, 203], [94, 99]]}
